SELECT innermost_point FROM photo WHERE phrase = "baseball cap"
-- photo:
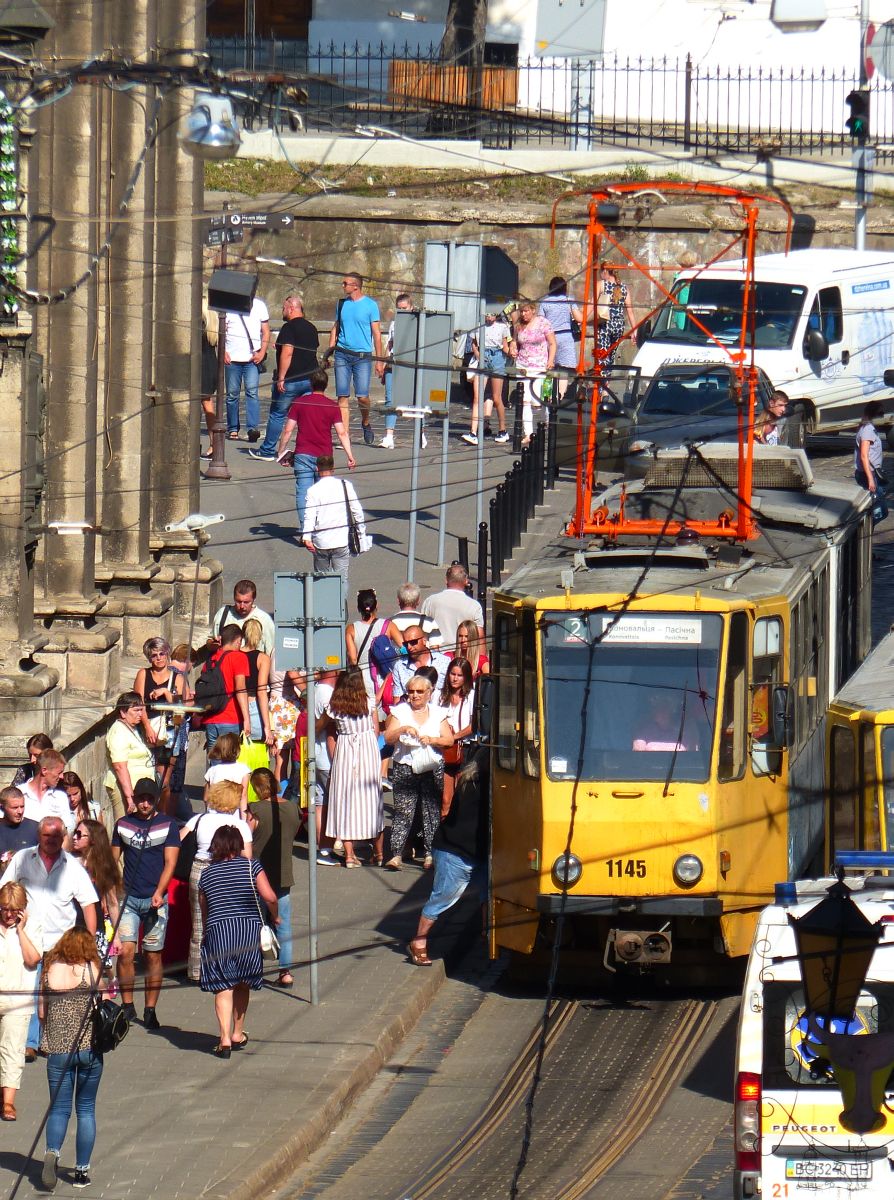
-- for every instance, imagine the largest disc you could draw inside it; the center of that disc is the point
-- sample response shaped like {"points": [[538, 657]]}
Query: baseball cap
{"points": [[146, 787]]}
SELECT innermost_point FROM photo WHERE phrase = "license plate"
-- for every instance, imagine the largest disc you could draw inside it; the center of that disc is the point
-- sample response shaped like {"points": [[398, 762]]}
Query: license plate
{"points": [[826, 1168]]}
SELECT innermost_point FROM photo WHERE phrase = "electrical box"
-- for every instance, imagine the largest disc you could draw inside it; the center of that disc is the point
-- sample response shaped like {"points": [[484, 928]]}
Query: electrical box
{"points": [[290, 621], [463, 278], [423, 358], [570, 29]]}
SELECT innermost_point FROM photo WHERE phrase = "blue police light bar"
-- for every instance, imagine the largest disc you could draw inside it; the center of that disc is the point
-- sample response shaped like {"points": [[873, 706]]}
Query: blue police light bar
{"points": [[865, 860]]}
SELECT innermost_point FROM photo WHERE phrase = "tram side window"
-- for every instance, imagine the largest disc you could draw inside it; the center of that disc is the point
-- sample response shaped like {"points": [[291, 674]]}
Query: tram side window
{"points": [[843, 786], [809, 674], [872, 838], [735, 694], [530, 698], [888, 785], [766, 666], [507, 692]]}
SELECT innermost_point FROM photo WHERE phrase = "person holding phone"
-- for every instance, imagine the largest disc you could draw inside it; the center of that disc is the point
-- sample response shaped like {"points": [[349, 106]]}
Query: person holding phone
{"points": [[21, 944]]}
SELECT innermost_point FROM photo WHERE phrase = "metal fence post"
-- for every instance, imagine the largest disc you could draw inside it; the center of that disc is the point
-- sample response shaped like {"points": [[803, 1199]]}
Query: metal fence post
{"points": [[687, 105], [518, 393], [482, 561], [495, 537]]}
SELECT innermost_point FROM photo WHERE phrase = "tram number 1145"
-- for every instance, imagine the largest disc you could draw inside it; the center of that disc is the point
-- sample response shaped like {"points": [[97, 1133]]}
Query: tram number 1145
{"points": [[634, 868]]}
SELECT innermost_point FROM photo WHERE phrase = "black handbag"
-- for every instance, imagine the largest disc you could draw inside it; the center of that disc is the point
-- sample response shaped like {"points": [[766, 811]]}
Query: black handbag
{"points": [[110, 1026], [353, 531], [186, 855]]}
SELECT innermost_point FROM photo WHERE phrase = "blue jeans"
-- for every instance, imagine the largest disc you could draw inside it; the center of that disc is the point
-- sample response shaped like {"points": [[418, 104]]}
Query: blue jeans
{"points": [[306, 474], [213, 732], [76, 1076], [280, 403], [453, 874], [237, 374], [352, 366], [33, 1040], [391, 414], [284, 928], [879, 504]]}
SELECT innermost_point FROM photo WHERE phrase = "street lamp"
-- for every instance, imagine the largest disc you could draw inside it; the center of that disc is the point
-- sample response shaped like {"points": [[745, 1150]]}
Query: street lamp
{"points": [[835, 943], [210, 129]]}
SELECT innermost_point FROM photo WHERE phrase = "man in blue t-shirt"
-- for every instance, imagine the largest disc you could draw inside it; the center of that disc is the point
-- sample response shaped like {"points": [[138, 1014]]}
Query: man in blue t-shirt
{"points": [[356, 341], [17, 832], [149, 843]]}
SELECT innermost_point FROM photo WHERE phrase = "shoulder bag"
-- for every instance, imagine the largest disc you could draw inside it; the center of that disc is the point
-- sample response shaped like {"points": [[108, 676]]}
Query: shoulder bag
{"points": [[262, 365], [186, 855], [109, 1024], [354, 547], [453, 755], [269, 940]]}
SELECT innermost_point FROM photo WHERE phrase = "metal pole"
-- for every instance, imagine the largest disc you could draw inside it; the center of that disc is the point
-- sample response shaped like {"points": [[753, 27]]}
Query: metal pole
{"points": [[442, 504], [551, 429], [483, 567], [495, 537], [479, 455], [518, 393], [860, 154], [414, 463], [217, 468], [311, 776]]}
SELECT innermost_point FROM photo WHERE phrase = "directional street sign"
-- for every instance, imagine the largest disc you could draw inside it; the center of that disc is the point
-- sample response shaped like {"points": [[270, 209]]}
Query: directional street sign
{"points": [[220, 237], [257, 220]]}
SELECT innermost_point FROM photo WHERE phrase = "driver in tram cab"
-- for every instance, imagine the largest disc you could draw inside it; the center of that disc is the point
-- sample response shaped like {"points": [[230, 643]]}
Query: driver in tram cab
{"points": [[661, 725]]}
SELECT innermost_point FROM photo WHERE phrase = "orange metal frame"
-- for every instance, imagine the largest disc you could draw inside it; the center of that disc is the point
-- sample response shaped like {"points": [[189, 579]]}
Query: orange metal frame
{"points": [[738, 525]]}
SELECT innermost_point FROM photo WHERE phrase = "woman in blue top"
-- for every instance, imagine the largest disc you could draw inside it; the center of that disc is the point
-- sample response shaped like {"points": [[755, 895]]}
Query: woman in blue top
{"points": [[231, 946], [559, 309]]}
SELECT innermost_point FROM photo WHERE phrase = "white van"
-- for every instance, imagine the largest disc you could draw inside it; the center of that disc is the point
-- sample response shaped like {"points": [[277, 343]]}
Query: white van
{"points": [[790, 1142], [824, 329]]}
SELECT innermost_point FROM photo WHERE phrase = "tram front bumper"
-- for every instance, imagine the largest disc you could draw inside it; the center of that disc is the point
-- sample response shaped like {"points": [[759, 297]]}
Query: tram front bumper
{"points": [[628, 906]]}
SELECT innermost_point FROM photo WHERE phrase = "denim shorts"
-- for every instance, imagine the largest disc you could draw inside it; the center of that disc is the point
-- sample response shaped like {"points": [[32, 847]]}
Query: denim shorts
{"points": [[352, 366], [453, 874], [154, 922], [494, 360]]}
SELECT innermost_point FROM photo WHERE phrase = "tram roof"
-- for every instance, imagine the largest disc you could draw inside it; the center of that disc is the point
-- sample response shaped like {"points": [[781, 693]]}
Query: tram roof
{"points": [[871, 687], [795, 525]]}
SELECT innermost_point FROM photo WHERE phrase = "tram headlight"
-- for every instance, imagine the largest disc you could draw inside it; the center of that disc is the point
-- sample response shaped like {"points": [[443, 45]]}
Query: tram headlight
{"points": [[567, 870], [688, 870]]}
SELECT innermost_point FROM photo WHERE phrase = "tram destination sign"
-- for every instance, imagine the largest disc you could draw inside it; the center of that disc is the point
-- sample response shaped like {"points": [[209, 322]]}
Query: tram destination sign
{"points": [[667, 631]]}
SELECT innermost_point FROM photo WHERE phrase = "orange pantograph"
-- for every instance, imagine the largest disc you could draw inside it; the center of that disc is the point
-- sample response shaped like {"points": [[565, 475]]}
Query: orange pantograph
{"points": [[604, 208]]}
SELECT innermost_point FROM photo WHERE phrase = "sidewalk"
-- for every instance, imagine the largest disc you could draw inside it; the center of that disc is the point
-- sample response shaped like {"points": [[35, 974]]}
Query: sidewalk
{"points": [[173, 1121]]}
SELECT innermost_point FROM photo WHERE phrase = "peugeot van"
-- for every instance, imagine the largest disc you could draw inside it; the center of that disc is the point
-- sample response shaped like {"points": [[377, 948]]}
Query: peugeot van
{"points": [[791, 1136], [824, 328]]}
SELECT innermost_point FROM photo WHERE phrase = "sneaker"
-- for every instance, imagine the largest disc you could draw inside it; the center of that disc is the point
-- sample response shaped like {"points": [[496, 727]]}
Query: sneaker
{"points": [[368, 436], [325, 858], [80, 1179], [387, 785], [254, 435], [471, 438], [387, 442], [129, 1012], [260, 455], [488, 432], [502, 437], [48, 1174], [150, 1020]]}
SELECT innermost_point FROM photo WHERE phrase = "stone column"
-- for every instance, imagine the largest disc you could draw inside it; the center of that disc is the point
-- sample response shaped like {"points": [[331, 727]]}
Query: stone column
{"points": [[81, 647], [177, 312]]}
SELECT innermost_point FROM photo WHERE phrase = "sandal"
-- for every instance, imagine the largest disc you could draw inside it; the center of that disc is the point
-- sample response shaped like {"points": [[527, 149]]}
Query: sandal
{"points": [[233, 435], [222, 1051], [352, 862], [285, 980], [394, 864], [419, 958], [241, 1044], [377, 860]]}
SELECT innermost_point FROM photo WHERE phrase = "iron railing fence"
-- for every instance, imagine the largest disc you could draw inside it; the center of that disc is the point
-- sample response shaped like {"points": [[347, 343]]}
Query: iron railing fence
{"points": [[569, 103]]}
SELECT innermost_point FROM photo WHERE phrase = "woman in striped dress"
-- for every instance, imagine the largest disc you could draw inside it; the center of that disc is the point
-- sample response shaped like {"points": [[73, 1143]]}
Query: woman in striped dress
{"points": [[354, 812], [230, 893]]}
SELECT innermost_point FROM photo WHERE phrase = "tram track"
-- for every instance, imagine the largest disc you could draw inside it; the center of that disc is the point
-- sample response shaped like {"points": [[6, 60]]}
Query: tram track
{"points": [[620, 1115]]}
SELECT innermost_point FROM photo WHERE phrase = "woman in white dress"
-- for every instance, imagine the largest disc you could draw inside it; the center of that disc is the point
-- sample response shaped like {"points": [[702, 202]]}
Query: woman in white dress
{"points": [[354, 811]]}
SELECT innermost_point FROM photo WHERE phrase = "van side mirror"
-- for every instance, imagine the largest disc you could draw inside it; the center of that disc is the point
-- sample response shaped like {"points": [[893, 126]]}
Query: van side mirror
{"points": [[484, 706], [888, 377], [643, 333], [609, 409], [815, 345], [780, 717]]}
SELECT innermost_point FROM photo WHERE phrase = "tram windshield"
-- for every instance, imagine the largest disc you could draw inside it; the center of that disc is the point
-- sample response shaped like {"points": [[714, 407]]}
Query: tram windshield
{"points": [[646, 684], [717, 305]]}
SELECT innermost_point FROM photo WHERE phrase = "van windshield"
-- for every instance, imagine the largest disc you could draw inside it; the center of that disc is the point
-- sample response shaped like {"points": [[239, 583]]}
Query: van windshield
{"points": [[648, 685], [717, 304], [792, 1056]]}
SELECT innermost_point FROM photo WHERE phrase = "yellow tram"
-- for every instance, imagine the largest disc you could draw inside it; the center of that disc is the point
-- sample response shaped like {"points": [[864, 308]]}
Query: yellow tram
{"points": [[860, 757], [660, 706]]}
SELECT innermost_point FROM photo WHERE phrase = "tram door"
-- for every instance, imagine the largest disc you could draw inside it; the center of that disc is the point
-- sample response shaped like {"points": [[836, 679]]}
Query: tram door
{"points": [[853, 822]]}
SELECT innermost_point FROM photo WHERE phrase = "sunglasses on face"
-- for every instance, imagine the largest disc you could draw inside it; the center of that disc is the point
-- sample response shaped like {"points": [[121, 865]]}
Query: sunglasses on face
{"points": [[414, 641], [78, 834]]}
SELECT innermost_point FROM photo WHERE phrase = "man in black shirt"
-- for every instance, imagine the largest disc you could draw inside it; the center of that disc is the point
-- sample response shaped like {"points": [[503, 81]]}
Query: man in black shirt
{"points": [[17, 832], [296, 356]]}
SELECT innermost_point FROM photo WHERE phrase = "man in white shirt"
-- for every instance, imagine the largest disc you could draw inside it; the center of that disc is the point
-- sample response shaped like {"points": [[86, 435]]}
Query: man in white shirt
{"points": [[409, 597], [451, 606], [57, 886], [43, 796], [248, 336], [325, 532], [244, 606]]}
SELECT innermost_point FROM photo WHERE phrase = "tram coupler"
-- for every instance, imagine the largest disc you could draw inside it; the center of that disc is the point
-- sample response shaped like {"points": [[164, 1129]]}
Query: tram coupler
{"points": [[641, 948]]}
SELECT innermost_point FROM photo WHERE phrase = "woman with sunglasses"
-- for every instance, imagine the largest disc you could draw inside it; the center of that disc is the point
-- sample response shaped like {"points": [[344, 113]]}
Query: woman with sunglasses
{"points": [[91, 847], [458, 699], [160, 682], [415, 724], [83, 808]]}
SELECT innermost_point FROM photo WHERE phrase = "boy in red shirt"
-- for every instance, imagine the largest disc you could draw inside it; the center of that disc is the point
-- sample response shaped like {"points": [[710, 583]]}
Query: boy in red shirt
{"points": [[234, 666], [314, 416]]}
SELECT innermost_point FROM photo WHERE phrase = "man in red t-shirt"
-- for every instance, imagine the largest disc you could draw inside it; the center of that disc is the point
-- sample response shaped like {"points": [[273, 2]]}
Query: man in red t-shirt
{"points": [[314, 416], [234, 666]]}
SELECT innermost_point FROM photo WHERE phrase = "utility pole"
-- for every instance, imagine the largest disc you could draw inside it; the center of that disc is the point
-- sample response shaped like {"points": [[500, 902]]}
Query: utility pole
{"points": [[465, 29], [860, 152]]}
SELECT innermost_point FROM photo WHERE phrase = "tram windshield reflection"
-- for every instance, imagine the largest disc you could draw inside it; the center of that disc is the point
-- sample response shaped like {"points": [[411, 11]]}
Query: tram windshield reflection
{"points": [[648, 685]]}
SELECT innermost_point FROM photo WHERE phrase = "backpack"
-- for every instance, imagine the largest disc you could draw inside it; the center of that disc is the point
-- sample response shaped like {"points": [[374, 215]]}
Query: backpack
{"points": [[211, 691]]}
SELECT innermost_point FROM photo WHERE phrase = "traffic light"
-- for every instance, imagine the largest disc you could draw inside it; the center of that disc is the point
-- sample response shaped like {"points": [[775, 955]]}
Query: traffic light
{"points": [[857, 123]]}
